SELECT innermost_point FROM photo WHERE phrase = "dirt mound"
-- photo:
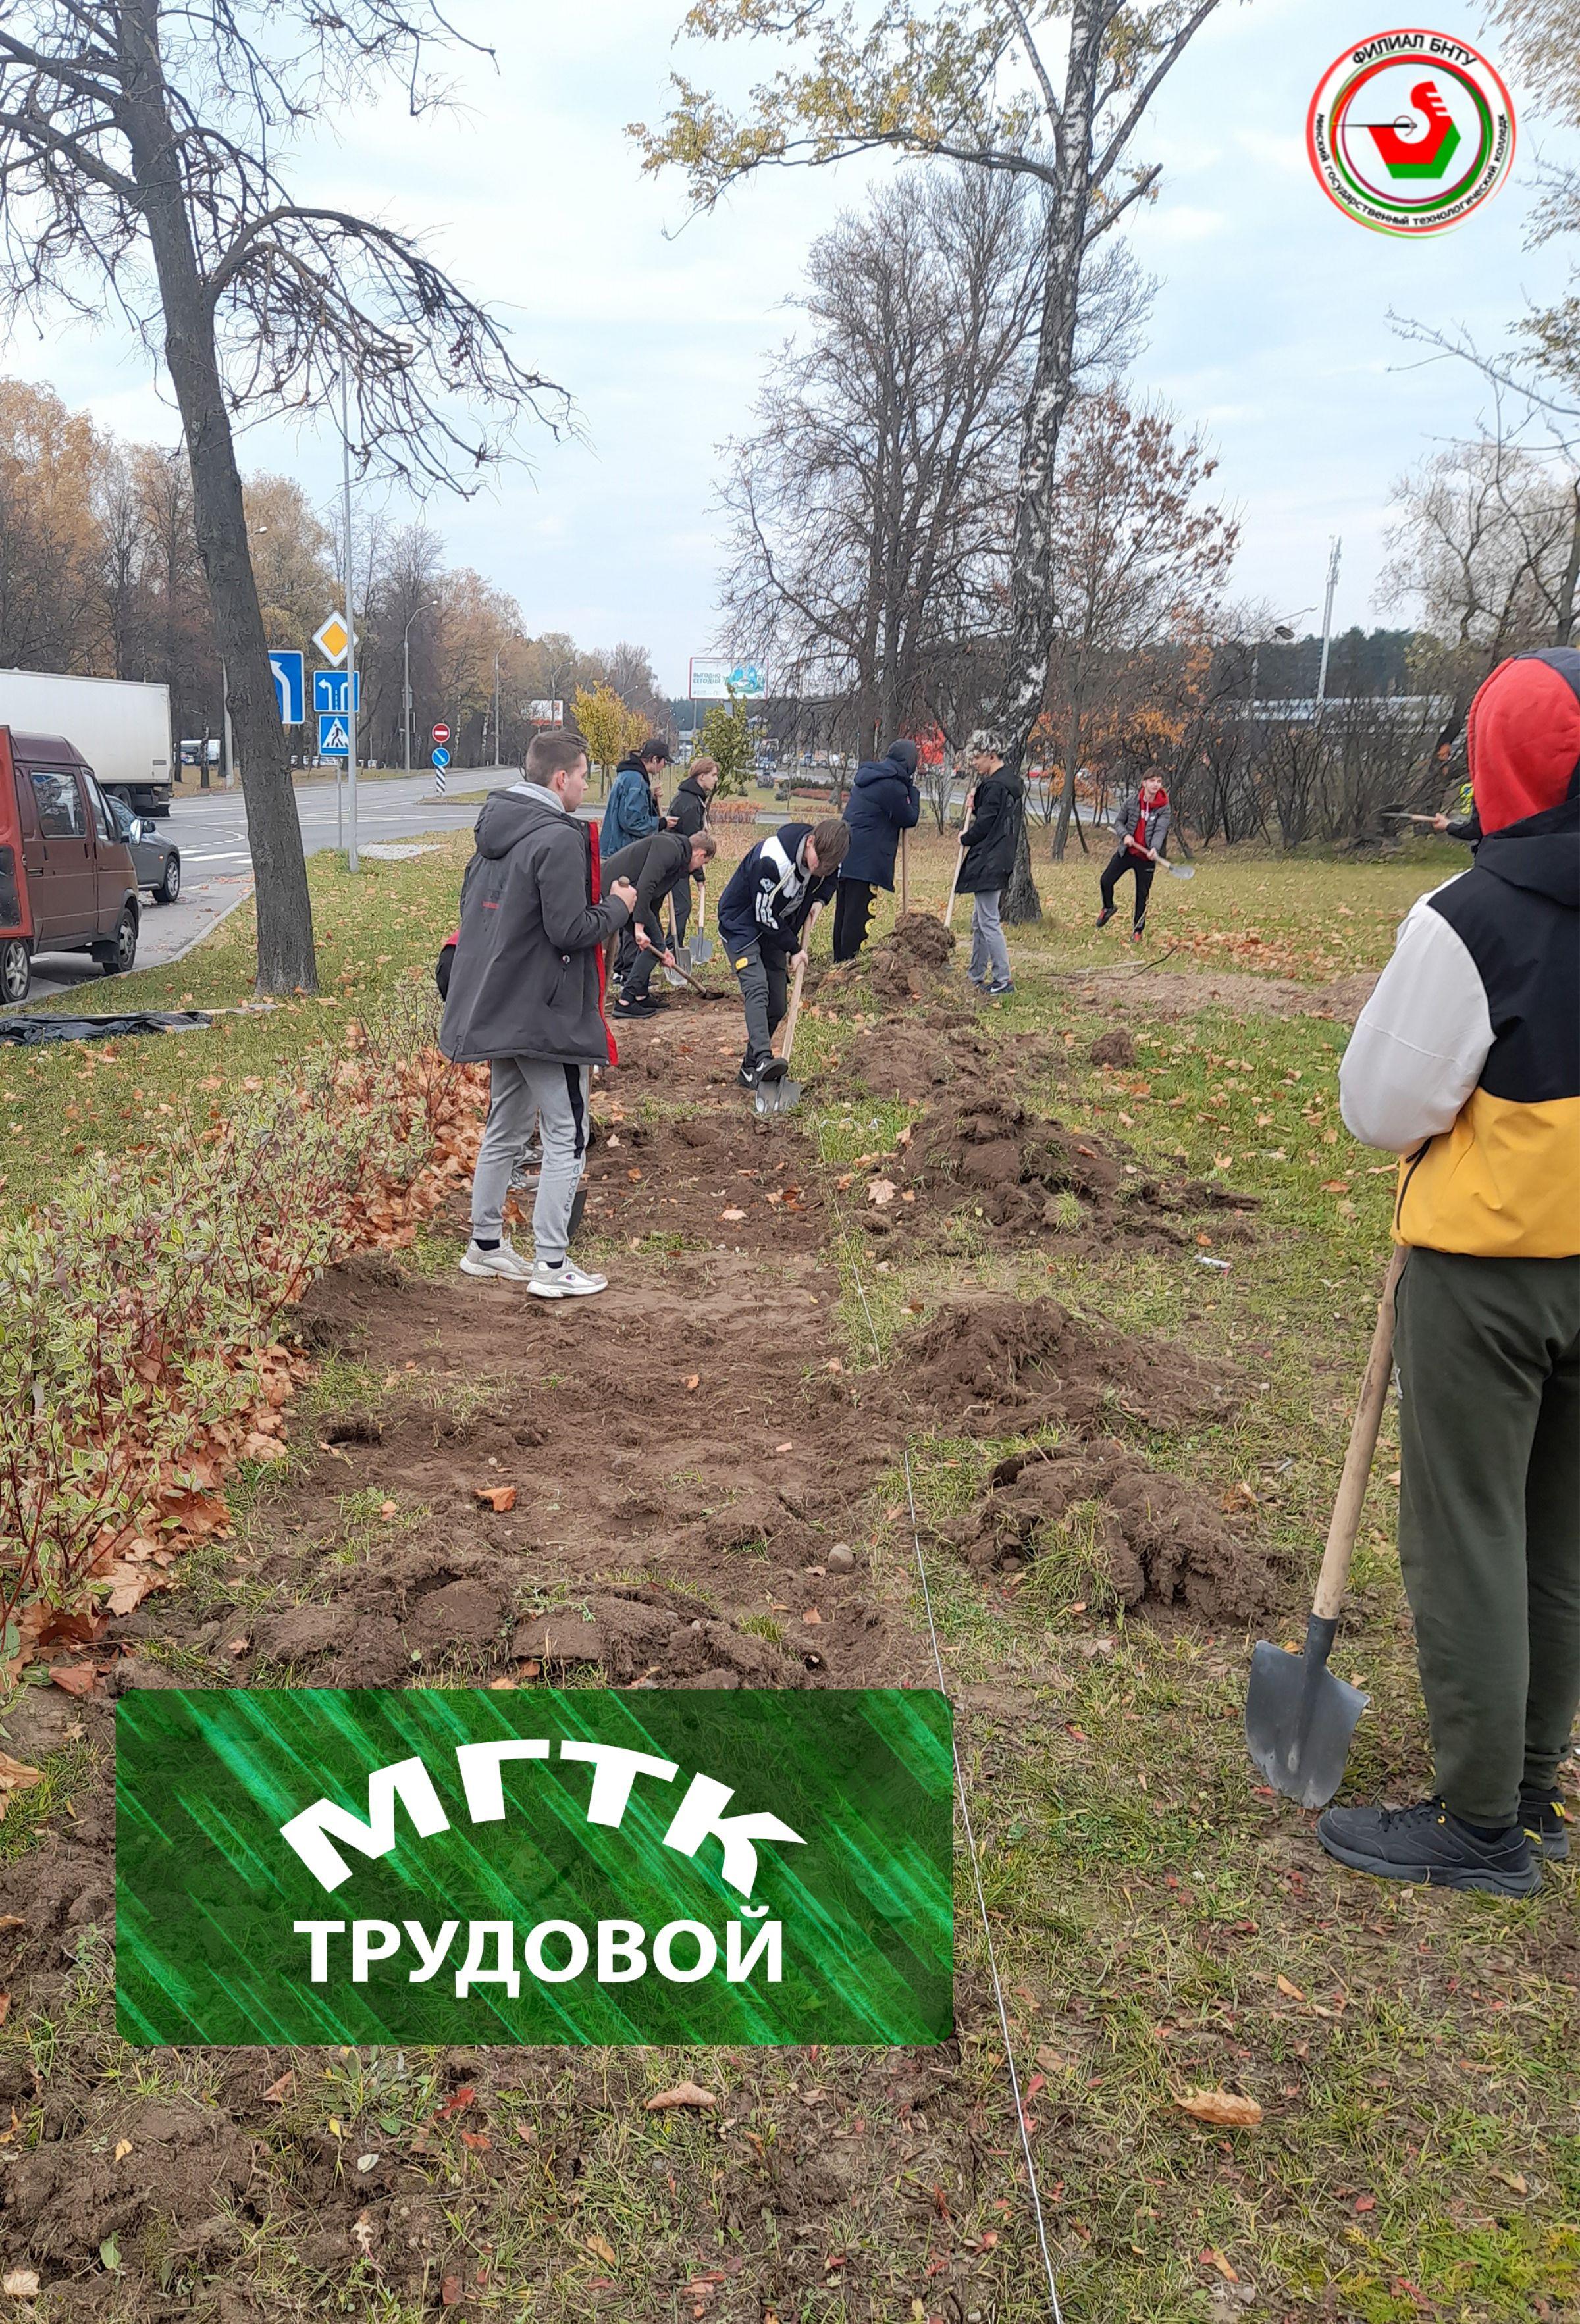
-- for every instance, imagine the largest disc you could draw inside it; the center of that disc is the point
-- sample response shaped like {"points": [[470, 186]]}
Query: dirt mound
{"points": [[907, 962], [902, 1059], [1116, 1049], [1158, 1540], [1180, 992], [663, 1638], [1026, 1172], [994, 1362]]}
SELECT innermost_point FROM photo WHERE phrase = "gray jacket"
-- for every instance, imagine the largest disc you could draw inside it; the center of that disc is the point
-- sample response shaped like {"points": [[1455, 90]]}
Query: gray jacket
{"points": [[525, 978], [1159, 818]]}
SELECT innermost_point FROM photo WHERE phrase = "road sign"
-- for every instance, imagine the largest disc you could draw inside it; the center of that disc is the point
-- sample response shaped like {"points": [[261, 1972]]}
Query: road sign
{"points": [[290, 683], [441, 758], [333, 640], [333, 735], [714, 677], [333, 691], [441, 734]]}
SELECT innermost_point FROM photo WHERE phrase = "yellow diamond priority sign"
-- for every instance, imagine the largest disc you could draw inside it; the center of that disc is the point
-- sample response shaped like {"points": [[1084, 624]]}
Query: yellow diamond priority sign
{"points": [[333, 639]]}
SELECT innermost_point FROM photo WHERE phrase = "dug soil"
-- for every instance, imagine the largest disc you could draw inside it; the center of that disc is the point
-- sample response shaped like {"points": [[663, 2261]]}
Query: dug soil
{"points": [[678, 1484]]}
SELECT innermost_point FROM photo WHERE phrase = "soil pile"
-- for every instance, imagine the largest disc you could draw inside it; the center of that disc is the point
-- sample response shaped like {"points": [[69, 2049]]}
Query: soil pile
{"points": [[907, 965], [1158, 1540], [1116, 1049], [993, 1364], [1018, 1170], [903, 1059]]}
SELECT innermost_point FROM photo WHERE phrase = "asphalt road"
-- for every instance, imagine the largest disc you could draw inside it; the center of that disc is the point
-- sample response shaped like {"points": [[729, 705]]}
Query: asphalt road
{"points": [[217, 864]]}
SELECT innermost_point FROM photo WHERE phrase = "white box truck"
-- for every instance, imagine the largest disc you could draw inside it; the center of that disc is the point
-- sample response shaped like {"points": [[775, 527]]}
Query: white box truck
{"points": [[120, 727]]}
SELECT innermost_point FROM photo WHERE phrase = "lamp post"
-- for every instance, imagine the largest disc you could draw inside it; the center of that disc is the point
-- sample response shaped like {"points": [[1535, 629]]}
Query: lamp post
{"points": [[426, 607], [496, 708]]}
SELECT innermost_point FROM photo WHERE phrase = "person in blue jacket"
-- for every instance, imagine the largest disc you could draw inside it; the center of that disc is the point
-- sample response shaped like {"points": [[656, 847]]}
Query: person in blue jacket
{"points": [[884, 801], [633, 809]]}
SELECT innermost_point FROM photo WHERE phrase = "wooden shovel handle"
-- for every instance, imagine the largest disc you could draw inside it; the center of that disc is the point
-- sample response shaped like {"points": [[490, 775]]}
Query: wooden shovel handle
{"points": [[904, 872], [1357, 1469], [794, 1009]]}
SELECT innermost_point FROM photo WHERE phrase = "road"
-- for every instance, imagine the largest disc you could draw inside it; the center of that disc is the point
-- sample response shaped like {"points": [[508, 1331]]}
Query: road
{"points": [[211, 831]]}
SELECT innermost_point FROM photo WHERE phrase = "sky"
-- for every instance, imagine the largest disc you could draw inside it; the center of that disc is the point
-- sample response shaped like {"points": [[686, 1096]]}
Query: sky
{"points": [[1269, 331]]}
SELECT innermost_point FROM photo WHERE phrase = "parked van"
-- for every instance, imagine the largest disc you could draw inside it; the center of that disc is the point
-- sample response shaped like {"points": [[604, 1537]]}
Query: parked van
{"points": [[67, 880]]}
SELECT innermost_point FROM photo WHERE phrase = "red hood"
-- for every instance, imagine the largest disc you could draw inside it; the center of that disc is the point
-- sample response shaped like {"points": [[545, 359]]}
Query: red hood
{"points": [[1522, 735]]}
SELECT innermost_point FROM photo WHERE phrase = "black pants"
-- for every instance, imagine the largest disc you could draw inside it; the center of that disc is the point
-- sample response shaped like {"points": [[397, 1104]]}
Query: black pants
{"points": [[632, 966], [853, 908], [1121, 861], [680, 905]]}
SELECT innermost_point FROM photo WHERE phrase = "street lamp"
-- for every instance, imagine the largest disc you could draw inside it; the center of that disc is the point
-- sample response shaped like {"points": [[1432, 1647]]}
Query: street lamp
{"points": [[426, 607]]}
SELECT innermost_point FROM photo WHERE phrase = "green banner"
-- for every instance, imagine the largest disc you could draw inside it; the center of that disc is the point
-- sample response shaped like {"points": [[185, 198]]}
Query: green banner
{"points": [[307, 1866]]}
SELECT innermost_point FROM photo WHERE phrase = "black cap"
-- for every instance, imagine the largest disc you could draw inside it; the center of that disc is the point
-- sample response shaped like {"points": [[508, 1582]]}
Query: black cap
{"points": [[654, 749]]}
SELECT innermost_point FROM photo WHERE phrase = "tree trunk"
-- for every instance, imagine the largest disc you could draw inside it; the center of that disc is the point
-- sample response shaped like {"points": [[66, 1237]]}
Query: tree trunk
{"points": [[286, 961], [1031, 577], [1563, 629], [1021, 904]]}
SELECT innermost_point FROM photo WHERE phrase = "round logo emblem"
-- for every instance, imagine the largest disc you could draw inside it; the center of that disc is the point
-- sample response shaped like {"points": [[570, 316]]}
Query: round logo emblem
{"points": [[1409, 132]]}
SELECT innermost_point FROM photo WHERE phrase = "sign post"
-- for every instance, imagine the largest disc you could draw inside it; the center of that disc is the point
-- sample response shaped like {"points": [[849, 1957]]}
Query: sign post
{"points": [[441, 757], [351, 859], [331, 639]]}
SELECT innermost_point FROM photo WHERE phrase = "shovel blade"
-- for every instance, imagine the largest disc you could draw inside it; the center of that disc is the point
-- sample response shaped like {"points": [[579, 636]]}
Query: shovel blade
{"points": [[777, 1097], [1299, 1719], [699, 951]]}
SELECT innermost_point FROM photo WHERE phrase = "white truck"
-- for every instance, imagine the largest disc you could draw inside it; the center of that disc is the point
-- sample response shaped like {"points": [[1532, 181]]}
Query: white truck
{"points": [[120, 726]]}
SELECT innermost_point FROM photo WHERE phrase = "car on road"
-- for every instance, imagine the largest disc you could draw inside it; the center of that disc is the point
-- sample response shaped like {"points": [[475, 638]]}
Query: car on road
{"points": [[157, 863], [67, 880]]}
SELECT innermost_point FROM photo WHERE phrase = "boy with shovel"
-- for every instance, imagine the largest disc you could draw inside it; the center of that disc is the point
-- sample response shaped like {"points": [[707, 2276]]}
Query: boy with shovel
{"points": [[763, 918], [1466, 1063]]}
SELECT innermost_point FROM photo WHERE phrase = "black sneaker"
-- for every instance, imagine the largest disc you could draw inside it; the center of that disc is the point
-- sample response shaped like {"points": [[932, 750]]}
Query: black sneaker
{"points": [[750, 1072], [1546, 1820], [1426, 1843], [1107, 914], [773, 1069], [643, 1007]]}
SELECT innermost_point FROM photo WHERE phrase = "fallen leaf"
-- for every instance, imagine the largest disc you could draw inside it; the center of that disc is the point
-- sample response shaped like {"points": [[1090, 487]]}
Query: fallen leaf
{"points": [[1293, 1991], [278, 2092], [602, 2249], [449, 2290], [1365, 2203], [477, 2140], [694, 1379], [122, 2148], [684, 2094], [388, 1509], [12, 1919], [732, 1215], [1226, 2108], [1215, 2259], [74, 1678], [458, 2104], [811, 1615], [788, 1446], [1515, 2178], [20, 2282], [497, 1498], [880, 1191]]}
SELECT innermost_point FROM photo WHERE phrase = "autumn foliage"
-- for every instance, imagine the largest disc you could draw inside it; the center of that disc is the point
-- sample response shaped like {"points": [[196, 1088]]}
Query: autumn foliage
{"points": [[143, 1359]]}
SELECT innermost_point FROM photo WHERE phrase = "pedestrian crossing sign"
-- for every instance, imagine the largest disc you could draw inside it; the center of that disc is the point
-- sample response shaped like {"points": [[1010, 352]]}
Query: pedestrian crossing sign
{"points": [[334, 734]]}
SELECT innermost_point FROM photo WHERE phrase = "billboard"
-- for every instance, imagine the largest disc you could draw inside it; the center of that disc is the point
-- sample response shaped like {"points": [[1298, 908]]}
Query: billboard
{"points": [[714, 677], [546, 714]]}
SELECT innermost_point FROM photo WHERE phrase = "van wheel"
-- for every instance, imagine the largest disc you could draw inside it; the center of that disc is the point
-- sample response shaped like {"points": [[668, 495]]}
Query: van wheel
{"points": [[15, 970], [170, 887], [117, 956]]}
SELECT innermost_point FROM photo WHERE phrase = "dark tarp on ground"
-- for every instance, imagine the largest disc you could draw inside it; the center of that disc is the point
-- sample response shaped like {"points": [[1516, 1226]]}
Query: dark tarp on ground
{"points": [[28, 1032]]}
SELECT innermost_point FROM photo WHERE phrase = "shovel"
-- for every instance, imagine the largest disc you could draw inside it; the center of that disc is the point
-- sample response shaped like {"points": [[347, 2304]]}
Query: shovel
{"points": [[780, 1095], [679, 975], [1298, 1716], [699, 949]]}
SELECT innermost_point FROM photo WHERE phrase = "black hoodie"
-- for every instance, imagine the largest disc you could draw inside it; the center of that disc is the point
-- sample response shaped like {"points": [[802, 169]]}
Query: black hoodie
{"points": [[525, 979]]}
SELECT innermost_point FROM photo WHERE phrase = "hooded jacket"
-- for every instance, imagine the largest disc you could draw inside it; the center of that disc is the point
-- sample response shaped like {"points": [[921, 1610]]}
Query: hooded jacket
{"points": [[632, 810], [885, 801], [1466, 1061], [526, 977], [992, 834], [689, 807], [653, 865], [771, 894]]}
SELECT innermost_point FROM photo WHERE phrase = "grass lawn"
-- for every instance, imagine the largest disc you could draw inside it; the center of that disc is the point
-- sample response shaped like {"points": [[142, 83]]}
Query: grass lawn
{"points": [[1160, 1923]]}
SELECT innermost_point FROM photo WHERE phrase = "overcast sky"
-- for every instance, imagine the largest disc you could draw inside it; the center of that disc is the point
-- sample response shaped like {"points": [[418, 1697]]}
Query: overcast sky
{"points": [[1270, 325]]}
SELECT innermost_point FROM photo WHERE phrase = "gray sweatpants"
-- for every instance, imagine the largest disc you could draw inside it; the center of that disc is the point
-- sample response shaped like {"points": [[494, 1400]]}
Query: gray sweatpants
{"points": [[763, 977], [521, 1091], [990, 955]]}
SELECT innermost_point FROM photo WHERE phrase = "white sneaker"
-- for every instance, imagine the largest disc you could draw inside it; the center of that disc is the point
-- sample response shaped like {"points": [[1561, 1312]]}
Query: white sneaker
{"points": [[566, 1282], [504, 1261]]}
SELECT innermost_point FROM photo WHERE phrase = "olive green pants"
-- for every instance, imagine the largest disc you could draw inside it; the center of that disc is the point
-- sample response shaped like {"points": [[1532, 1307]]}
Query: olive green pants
{"points": [[1488, 1353]]}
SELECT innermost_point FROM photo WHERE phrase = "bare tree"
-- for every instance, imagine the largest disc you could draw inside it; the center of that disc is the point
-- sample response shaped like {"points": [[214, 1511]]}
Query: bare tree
{"points": [[140, 145], [965, 83], [1487, 543]]}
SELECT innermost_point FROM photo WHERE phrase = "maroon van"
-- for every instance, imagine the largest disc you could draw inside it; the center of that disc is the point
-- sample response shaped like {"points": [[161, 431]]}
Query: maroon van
{"points": [[67, 879]]}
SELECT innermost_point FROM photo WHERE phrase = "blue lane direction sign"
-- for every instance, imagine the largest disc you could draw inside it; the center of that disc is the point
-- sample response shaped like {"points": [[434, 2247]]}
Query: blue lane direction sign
{"points": [[333, 691], [441, 758], [333, 735], [290, 684]]}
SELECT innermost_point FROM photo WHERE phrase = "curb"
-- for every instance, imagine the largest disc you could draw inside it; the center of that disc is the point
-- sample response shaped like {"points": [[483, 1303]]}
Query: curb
{"points": [[201, 935]]}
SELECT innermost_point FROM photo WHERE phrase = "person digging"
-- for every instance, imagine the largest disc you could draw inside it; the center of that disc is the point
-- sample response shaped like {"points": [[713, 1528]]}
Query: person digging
{"points": [[525, 997], [1141, 827], [1466, 1063], [763, 918], [884, 803], [653, 866]]}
